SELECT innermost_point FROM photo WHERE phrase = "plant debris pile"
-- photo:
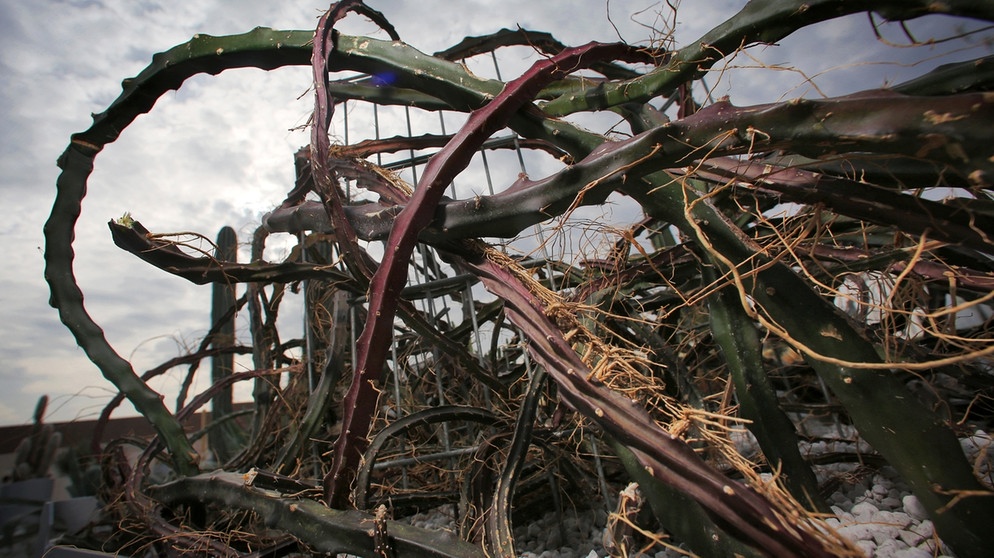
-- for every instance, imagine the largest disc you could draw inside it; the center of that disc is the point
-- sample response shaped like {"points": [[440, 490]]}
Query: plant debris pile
{"points": [[444, 369]]}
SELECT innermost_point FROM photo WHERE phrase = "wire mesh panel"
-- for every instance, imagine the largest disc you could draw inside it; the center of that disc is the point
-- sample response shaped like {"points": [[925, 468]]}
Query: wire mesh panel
{"points": [[457, 368]]}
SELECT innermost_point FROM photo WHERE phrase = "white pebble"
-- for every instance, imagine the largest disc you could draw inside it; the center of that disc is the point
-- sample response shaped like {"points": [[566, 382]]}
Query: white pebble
{"points": [[533, 530], [910, 538], [840, 499], [554, 540], [857, 531], [889, 503], [867, 547], [913, 553], [886, 536], [863, 509], [925, 529], [914, 508], [896, 519]]}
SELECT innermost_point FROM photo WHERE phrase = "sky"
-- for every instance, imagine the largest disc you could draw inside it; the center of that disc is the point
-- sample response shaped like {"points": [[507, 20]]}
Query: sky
{"points": [[219, 151]]}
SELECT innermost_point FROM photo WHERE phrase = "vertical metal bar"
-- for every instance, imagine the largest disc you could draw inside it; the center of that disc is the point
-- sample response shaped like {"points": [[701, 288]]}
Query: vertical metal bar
{"points": [[345, 123], [493, 55], [470, 308], [396, 394], [308, 333], [707, 90], [486, 171], [601, 479], [521, 165], [376, 128]]}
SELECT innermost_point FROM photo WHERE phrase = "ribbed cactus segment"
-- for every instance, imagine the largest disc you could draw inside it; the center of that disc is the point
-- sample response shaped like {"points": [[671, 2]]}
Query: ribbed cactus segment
{"points": [[499, 538], [35, 454], [973, 75], [888, 415], [758, 22], [635, 345], [263, 48], [322, 529], [330, 367], [223, 441], [682, 516], [736, 334], [670, 460]]}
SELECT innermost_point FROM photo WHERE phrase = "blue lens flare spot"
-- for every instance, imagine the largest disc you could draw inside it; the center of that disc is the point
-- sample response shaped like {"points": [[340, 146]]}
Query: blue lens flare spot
{"points": [[383, 79]]}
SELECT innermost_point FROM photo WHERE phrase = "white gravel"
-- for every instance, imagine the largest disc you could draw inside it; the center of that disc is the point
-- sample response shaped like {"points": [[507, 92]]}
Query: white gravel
{"points": [[876, 511]]}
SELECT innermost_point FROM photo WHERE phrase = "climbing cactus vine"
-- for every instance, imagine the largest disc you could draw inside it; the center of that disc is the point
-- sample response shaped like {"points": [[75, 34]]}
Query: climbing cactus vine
{"points": [[496, 383]]}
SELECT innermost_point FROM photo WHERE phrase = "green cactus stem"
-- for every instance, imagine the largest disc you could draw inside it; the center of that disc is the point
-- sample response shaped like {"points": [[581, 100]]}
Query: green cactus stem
{"points": [[910, 436], [321, 396], [35, 453], [662, 455], [759, 21], [321, 528], [388, 280], [682, 516], [499, 538], [972, 75], [740, 344], [262, 48], [225, 440]]}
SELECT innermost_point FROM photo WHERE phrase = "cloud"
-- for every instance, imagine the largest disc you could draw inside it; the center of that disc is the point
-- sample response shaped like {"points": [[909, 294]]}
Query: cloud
{"points": [[219, 151]]}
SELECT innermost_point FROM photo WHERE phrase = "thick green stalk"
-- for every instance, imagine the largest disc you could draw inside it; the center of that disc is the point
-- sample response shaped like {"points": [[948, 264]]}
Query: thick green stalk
{"points": [[681, 516], [322, 394], [740, 344], [68, 298], [260, 48], [500, 539], [888, 415], [541, 41], [322, 529], [958, 77], [760, 21], [224, 440], [661, 454]]}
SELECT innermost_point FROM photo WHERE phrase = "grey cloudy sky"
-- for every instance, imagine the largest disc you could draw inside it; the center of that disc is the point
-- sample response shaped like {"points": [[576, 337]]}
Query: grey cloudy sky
{"points": [[219, 151]]}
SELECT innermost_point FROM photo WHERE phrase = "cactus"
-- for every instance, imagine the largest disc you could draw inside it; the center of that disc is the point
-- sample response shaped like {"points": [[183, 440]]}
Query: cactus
{"points": [[35, 454], [738, 338], [82, 470], [633, 343], [322, 529], [224, 441], [386, 284]]}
